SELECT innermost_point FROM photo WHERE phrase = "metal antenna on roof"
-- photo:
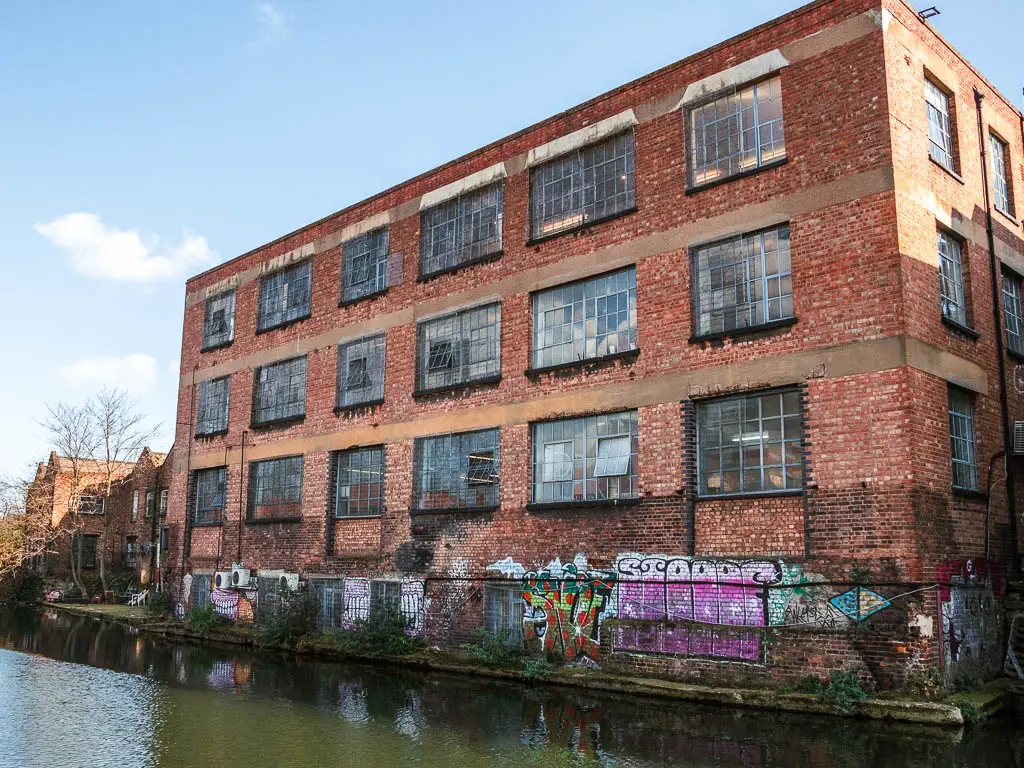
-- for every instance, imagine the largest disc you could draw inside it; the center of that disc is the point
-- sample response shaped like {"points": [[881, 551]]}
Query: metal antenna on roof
{"points": [[929, 13]]}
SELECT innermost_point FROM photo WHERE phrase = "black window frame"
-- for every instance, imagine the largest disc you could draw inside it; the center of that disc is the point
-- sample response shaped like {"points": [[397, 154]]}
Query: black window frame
{"points": [[1012, 289], [449, 221], [253, 505], [369, 389], [213, 406], [963, 436], [363, 281], [454, 338], [216, 338], [131, 551], [288, 412], [278, 287], [441, 466], [84, 543], [89, 508], [345, 466], [201, 488]]}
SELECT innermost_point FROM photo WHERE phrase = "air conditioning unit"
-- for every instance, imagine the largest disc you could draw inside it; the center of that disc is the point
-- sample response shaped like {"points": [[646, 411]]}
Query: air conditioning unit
{"points": [[222, 580], [289, 581], [240, 576], [1018, 437]]}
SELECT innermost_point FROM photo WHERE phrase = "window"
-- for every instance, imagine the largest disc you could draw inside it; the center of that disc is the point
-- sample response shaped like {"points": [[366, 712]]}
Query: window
{"points": [[210, 490], [585, 320], [90, 505], [961, 439], [584, 186], [85, 547], [503, 613], [1012, 313], [163, 502], [135, 505], [743, 282], [201, 590], [750, 444], [1000, 175], [459, 348], [279, 391], [456, 471], [591, 458], [330, 602], [150, 504], [131, 548], [214, 398], [359, 481], [940, 126], [461, 231], [364, 270], [951, 280], [361, 371], [285, 296], [164, 541], [737, 132], [275, 489], [219, 321]]}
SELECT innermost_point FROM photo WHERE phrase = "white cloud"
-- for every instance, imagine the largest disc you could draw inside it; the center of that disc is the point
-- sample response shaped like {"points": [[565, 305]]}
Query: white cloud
{"points": [[135, 373], [98, 250], [270, 17]]}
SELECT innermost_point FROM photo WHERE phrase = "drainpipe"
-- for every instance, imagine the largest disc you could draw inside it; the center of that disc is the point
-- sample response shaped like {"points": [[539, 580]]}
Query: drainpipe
{"points": [[186, 544], [998, 325], [241, 501]]}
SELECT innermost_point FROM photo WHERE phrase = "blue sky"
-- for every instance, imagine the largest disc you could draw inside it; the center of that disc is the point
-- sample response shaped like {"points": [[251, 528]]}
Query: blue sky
{"points": [[142, 142]]}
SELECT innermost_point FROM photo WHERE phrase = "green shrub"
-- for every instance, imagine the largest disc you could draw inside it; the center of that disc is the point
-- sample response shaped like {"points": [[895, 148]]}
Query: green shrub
{"points": [[293, 619], [810, 684], [971, 712], [492, 651], [382, 632], [201, 618], [30, 589], [536, 670], [925, 684], [159, 604], [843, 692]]}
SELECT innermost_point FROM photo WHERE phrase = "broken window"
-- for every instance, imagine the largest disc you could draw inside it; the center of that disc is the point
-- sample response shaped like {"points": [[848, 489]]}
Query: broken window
{"points": [[457, 471], [364, 269], [219, 320], [459, 348], [285, 296], [279, 391], [462, 230], [210, 492], [361, 371], [213, 402]]}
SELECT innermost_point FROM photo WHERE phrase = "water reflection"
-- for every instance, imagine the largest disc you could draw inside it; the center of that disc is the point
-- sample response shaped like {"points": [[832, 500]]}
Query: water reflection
{"points": [[202, 705]]}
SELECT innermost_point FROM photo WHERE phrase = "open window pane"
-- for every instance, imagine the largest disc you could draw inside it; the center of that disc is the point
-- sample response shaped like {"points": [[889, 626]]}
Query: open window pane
{"points": [[951, 279], [459, 471], [361, 371], [210, 492], [459, 348], [940, 127]]}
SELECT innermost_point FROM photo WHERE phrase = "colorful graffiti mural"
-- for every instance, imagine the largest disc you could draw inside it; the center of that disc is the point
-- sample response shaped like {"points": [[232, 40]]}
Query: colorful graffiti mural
{"points": [[970, 628], [237, 605]]}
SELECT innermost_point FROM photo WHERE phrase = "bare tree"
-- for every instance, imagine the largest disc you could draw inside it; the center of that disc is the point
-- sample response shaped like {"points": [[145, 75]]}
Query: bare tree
{"points": [[72, 434], [26, 531], [120, 437]]}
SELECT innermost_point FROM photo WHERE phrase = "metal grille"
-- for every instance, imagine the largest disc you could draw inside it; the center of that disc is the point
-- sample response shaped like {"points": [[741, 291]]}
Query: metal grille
{"points": [[91, 505], [330, 601], [1000, 178], [211, 487], [214, 399], [961, 439], [503, 613], [1012, 313], [587, 185], [360, 482], [131, 548], [285, 296], [201, 590], [462, 230], [750, 444], [584, 320], [279, 391], [744, 281], [219, 320], [737, 133], [361, 371], [951, 280], [586, 459], [459, 348], [275, 489], [940, 127], [364, 265], [458, 471]]}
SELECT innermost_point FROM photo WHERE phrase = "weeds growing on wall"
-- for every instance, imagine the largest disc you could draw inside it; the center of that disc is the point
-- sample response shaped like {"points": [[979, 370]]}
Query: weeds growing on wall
{"points": [[293, 619], [382, 632], [537, 670], [843, 692], [201, 619], [492, 650]]}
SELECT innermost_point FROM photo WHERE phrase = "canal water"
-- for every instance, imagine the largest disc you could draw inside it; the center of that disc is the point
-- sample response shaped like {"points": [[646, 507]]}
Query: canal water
{"points": [[75, 691]]}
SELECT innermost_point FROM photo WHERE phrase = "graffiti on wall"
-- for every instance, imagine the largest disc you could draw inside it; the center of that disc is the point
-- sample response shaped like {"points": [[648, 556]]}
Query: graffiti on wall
{"points": [[361, 595], [237, 605], [970, 615], [563, 605]]}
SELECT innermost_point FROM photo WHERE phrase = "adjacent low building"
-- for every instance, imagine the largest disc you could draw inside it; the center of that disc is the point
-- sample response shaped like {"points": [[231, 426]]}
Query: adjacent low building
{"points": [[719, 366]]}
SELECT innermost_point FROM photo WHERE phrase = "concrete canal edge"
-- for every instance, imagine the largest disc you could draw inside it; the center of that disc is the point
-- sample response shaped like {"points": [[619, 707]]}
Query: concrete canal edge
{"points": [[956, 712]]}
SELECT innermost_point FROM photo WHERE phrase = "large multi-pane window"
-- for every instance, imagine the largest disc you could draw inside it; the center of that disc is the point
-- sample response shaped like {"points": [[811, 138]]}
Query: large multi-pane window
{"points": [[591, 458], [587, 185], [214, 397], [503, 613], [459, 348], [951, 279], [85, 550], [462, 230], [940, 125], [737, 132], [1000, 175], [585, 320], [275, 489], [279, 391], [750, 444], [162, 505], [1012, 313], [361, 372], [90, 505], [131, 549], [457, 471], [961, 439], [285, 296], [359, 482], [743, 282], [364, 270], [219, 320], [210, 490], [150, 504]]}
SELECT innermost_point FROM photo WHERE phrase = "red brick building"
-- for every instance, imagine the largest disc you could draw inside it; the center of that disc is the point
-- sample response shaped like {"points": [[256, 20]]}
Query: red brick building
{"points": [[715, 367]]}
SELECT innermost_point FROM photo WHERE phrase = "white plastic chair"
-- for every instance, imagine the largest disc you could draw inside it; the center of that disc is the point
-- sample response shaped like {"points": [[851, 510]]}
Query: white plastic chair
{"points": [[138, 599]]}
